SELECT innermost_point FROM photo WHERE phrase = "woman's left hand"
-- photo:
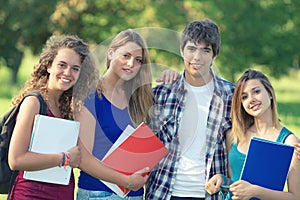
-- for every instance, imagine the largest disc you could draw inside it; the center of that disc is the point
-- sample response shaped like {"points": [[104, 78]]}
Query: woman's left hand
{"points": [[168, 76]]}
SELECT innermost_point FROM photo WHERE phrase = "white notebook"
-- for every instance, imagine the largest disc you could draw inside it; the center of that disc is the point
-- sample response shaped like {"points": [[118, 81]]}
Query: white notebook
{"points": [[52, 135]]}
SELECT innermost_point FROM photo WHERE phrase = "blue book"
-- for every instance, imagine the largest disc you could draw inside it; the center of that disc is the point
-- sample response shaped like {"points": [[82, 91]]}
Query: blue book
{"points": [[267, 164]]}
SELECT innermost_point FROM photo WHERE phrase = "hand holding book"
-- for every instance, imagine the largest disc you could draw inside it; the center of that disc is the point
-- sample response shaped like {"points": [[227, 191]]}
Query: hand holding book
{"points": [[137, 179], [75, 157], [45, 140], [135, 149]]}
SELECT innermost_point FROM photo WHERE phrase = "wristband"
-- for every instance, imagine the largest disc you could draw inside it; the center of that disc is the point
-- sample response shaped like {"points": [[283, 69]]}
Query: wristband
{"points": [[128, 185], [68, 159], [63, 158]]}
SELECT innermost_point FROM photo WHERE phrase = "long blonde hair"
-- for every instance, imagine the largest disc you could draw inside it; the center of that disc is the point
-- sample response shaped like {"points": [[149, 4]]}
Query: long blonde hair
{"points": [[71, 100], [241, 120], [139, 89]]}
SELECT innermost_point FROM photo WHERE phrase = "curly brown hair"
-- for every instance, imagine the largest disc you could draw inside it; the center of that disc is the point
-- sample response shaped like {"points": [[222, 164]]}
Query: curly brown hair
{"points": [[71, 100]]}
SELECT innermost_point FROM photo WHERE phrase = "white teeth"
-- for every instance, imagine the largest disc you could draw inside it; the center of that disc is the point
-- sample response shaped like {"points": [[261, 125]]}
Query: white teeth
{"points": [[66, 80], [196, 65]]}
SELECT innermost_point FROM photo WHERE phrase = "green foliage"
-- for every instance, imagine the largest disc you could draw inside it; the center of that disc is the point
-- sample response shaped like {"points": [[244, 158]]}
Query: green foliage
{"points": [[258, 33], [98, 21], [23, 24], [288, 95], [254, 33]]}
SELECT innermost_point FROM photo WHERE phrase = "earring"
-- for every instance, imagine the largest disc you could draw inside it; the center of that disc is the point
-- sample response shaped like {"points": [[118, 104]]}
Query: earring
{"points": [[48, 70]]}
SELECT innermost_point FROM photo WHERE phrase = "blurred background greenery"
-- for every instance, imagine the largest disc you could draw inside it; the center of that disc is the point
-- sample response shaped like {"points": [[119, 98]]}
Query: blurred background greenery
{"points": [[254, 32], [261, 34]]}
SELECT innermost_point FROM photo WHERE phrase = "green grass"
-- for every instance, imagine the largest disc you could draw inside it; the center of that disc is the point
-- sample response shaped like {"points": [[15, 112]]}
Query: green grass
{"points": [[287, 93], [288, 100]]}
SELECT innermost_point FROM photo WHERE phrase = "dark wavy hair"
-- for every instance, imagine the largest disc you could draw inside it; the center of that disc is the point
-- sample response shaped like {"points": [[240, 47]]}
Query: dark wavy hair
{"points": [[205, 31]]}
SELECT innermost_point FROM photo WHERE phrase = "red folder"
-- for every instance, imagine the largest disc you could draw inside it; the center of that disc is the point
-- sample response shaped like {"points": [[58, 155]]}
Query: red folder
{"points": [[138, 148]]}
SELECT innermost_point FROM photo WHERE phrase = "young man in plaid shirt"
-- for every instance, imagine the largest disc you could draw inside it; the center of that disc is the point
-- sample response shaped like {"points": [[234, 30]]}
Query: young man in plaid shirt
{"points": [[191, 116]]}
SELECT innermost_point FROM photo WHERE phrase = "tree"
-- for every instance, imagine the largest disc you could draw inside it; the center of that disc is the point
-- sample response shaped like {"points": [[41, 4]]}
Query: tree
{"points": [[99, 20], [23, 24], [254, 32], [258, 33]]}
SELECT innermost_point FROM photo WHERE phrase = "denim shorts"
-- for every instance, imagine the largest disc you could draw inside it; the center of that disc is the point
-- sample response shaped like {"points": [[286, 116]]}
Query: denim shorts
{"points": [[83, 194]]}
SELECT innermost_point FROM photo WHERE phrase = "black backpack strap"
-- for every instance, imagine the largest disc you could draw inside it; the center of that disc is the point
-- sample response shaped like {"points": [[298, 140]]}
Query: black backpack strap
{"points": [[43, 105], [14, 112], [43, 111]]}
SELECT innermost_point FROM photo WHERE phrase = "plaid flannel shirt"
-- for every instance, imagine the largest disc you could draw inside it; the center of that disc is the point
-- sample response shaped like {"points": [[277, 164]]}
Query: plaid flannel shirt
{"points": [[165, 120]]}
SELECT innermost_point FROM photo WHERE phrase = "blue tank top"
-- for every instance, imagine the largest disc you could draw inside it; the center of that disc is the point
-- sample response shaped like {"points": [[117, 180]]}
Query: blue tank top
{"points": [[111, 121], [236, 158]]}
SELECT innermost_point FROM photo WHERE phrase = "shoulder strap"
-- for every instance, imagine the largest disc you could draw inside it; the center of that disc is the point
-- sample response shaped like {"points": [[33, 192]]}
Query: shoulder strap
{"points": [[12, 113], [43, 105], [9, 129], [284, 133], [8, 120]]}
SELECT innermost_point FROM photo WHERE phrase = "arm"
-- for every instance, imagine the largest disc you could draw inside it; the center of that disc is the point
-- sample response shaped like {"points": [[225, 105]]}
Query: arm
{"points": [[228, 147], [245, 190], [94, 167], [215, 183], [19, 157]]}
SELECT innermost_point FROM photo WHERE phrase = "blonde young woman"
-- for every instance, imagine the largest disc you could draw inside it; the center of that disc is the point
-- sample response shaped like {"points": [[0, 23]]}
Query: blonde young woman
{"points": [[254, 113], [122, 97]]}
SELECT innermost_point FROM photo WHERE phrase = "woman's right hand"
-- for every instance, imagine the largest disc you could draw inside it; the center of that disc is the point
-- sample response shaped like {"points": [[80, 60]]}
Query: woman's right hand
{"points": [[138, 179], [75, 156]]}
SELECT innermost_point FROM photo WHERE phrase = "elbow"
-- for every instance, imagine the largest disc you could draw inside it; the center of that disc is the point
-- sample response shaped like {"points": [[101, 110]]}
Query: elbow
{"points": [[14, 163]]}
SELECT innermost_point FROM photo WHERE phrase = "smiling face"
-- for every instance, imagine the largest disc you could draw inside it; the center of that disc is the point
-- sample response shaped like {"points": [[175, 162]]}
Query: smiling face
{"points": [[65, 70], [126, 61], [255, 98], [198, 59]]}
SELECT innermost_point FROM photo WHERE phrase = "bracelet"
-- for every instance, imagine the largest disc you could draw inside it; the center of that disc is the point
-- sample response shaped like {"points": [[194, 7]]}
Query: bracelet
{"points": [[128, 185], [63, 158], [225, 180], [68, 159]]}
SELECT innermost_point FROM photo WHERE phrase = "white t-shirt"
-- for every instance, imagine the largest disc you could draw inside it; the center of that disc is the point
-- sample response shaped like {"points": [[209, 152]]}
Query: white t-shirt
{"points": [[190, 177]]}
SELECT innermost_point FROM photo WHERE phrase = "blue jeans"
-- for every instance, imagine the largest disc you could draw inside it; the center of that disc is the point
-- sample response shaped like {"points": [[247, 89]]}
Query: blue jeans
{"points": [[83, 194]]}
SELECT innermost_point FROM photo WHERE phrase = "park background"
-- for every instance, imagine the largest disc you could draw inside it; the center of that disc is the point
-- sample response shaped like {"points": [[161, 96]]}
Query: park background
{"points": [[260, 34]]}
